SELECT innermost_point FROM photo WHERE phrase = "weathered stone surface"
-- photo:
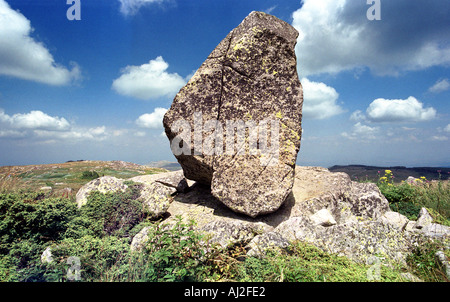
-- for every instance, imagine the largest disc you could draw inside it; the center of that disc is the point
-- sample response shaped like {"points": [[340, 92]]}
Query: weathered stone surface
{"points": [[228, 233], [174, 180], [323, 218], [156, 199], [140, 239], [250, 77], [260, 244], [424, 219], [103, 185], [395, 219]]}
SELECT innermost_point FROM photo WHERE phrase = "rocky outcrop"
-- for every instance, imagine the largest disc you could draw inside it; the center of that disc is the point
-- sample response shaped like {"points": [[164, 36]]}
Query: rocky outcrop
{"points": [[236, 125], [325, 209]]}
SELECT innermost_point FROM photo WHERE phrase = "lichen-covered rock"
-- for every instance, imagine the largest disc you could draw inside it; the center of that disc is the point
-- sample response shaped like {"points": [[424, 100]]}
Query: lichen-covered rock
{"points": [[424, 219], [156, 199], [140, 239], [103, 185], [355, 240], [395, 219], [175, 180], [250, 78], [260, 244], [228, 233]]}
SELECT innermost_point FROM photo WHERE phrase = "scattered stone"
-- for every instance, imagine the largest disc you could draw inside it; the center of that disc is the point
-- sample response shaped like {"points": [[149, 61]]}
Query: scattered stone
{"points": [[156, 199], [444, 262], [424, 219], [434, 230], [251, 77], [395, 219], [228, 233], [139, 239], [103, 185], [260, 244], [410, 277], [47, 189], [46, 256]]}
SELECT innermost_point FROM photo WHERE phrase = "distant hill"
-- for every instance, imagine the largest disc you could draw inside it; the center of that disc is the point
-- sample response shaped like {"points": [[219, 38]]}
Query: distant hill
{"points": [[164, 164], [400, 173]]}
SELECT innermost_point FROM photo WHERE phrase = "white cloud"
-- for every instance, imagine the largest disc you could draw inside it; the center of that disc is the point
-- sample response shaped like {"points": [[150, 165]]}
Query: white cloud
{"points": [[152, 120], [361, 131], [440, 86], [131, 7], [409, 110], [148, 81], [319, 100], [36, 120], [439, 138], [357, 116], [23, 57], [37, 125], [336, 36], [447, 128]]}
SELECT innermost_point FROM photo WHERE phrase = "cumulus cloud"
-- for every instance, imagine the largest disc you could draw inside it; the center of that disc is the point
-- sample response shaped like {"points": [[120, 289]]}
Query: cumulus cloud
{"points": [[409, 110], [131, 7], [37, 125], [152, 120], [440, 86], [335, 36], [148, 81], [320, 100], [23, 57], [361, 131], [36, 119], [447, 128]]}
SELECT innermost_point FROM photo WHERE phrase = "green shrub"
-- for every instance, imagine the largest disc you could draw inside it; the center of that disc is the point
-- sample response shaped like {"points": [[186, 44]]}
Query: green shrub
{"points": [[90, 175], [174, 253], [117, 213], [409, 209], [423, 263]]}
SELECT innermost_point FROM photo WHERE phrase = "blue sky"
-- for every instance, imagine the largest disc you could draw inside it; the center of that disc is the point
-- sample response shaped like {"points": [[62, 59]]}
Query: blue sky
{"points": [[375, 92]]}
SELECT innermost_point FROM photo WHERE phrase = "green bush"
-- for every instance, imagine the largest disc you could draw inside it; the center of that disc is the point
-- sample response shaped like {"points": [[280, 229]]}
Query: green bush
{"points": [[117, 213], [174, 253], [90, 175]]}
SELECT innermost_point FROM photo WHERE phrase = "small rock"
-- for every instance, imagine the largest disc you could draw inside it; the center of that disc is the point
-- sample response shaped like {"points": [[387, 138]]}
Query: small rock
{"points": [[435, 230], [156, 199], [103, 185], [46, 189], [443, 260], [424, 218], [260, 244], [411, 277], [395, 219], [228, 233], [140, 239], [46, 256], [323, 218]]}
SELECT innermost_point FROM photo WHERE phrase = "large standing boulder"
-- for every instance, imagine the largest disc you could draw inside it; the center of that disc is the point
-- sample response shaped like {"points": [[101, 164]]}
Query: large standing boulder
{"points": [[236, 125]]}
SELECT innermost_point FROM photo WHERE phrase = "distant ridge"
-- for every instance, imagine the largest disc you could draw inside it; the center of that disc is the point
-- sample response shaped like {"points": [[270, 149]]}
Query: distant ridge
{"points": [[165, 164], [362, 172]]}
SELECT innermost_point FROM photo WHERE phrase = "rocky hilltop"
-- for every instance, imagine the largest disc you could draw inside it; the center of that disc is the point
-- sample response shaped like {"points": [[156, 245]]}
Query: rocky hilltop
{"points": [[326, 209]]}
